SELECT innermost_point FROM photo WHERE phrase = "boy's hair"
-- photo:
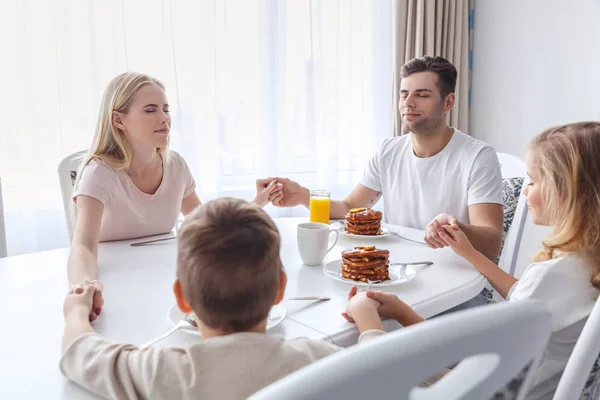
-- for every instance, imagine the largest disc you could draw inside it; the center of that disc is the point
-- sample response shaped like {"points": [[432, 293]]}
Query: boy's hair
{"points": [[228, 263], [444, 69], [567, 159]]}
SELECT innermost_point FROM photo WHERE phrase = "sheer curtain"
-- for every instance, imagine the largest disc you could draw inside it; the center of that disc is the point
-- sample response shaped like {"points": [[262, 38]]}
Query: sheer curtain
{"points": [[257, 88]]}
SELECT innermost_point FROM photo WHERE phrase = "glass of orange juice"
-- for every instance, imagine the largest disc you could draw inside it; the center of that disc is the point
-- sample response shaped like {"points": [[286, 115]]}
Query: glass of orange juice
{"points": [[320, 202]]}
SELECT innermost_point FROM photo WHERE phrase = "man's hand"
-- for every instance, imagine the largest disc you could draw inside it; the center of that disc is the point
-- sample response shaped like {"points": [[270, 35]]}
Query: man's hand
{"points": [[435, 228], [458, 241], [293, 194]]}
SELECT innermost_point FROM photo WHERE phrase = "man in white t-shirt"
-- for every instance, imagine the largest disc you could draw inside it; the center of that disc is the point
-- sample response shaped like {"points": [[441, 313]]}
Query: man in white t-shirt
{"points": [[435, 175]]}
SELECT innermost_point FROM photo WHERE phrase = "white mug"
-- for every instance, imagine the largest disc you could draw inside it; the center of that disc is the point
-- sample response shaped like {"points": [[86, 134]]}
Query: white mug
{"points": [[313, 242]]}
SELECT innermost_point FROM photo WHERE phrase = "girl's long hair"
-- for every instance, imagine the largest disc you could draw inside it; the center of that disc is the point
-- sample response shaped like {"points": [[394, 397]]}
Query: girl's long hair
{"points": [[567, 159]]}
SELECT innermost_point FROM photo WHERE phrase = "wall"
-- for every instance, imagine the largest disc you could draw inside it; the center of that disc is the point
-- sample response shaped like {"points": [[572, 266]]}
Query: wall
{"points": [[536, 63]]}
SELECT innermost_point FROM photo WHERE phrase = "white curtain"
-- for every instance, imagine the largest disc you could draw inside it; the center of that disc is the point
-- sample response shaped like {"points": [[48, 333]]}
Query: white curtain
{"points": [[257, 88]]}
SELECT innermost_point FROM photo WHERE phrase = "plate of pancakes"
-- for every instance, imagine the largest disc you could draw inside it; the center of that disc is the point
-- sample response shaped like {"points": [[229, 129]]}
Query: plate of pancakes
{"points": [[363, 223], [367, 265]]}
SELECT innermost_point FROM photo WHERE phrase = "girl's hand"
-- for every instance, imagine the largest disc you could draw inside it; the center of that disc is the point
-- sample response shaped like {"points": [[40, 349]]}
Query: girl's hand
{"points": [[457, 240]]}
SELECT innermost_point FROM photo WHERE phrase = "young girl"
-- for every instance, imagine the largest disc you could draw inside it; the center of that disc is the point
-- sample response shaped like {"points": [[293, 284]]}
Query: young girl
{"points": [[130, 184], [564, 193]]}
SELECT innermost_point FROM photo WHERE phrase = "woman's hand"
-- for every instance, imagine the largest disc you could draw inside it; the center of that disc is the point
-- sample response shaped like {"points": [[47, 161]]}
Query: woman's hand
{"points": [[268, 190], [97, 302]]}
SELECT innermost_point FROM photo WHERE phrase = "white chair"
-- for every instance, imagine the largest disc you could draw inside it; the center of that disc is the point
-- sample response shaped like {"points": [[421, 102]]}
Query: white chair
{"points": [[514, 178], [3, 251], [392, 366], [583, 369], [67, 174]]}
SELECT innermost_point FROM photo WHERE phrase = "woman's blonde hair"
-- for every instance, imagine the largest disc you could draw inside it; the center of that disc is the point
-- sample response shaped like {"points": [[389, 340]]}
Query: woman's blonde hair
{"points": [[567, 159], [109, 144]]}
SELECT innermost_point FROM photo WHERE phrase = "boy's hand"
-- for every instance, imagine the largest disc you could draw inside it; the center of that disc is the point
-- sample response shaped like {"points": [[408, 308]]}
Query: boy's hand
{"points": [[358, 302], [457, 240], [351, 294], [268, 190], [80, 298]]}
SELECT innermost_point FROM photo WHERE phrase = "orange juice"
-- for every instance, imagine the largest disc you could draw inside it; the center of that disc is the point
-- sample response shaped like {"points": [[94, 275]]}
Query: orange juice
{"points": [[319, 207]]}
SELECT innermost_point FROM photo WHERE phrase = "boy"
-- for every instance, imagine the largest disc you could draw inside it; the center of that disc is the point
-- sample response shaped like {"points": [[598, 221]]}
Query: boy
{"points": [[229, 274]]}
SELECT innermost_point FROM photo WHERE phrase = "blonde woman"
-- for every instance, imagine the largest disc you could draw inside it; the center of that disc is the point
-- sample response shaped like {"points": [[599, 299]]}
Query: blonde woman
{"points": [[563, 193], [131, 185]]}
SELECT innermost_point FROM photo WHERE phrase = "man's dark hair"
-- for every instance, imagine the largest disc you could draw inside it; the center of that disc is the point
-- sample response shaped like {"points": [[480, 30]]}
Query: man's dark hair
{"points": [[444, 69]]}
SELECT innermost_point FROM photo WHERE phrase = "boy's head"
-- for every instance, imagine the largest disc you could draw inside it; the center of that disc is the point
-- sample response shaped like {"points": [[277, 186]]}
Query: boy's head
{"points": [[228, 267]]}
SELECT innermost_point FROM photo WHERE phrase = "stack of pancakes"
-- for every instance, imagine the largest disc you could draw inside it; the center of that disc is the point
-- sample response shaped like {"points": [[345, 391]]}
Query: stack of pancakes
{"points": [[366, 263], [363, 221]]}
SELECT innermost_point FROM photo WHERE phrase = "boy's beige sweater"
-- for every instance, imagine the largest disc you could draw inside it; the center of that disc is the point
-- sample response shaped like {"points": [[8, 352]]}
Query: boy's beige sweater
{"points": [[225, 367]]}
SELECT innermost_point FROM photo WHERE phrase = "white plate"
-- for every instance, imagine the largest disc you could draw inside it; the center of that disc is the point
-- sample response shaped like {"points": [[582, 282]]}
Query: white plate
{"points": [[276, 315], [384, 233], [333, 270]]}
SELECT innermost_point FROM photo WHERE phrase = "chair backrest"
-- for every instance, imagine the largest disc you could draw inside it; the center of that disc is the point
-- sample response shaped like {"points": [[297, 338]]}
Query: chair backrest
{"points": [[67, 174], [392, 366], [3, 251], [581, 376], [514, 178]]}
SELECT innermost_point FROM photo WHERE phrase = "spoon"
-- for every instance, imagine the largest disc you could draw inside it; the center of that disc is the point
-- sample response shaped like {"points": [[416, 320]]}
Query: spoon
{"points": [[319, 298], [402, 269], [189, 320]]}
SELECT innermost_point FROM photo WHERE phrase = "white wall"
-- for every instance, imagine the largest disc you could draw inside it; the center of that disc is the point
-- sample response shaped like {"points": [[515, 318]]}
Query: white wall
{"points": [[536, 63]]}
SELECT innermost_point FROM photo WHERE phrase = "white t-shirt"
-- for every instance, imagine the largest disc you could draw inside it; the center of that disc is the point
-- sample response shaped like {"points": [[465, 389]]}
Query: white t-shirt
{"points": [[416, 190], [130, 213], [564, 285]]}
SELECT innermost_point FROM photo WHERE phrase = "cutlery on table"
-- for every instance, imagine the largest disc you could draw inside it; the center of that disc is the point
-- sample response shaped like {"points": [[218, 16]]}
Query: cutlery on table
{"points": [[402, 269], [319, 298], [407, 239], [186, 322], [412, 263], [153, 241], [371, 283]]}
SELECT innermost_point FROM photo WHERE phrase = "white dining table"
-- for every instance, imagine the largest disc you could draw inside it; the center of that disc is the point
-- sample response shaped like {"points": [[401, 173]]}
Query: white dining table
{"points": [[138, 294]]}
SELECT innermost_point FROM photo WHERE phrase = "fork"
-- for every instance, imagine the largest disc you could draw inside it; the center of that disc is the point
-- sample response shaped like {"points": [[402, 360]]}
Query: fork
{"points": [[371, 283], [407, 239]]}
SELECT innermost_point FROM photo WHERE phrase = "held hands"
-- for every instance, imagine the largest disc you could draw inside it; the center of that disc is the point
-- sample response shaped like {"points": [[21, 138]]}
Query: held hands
{"points": [[359, 303], [457, 240], [388, 306], [283, 193], [268, 190], [85, 298], [292, 194], [435, 228]]}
